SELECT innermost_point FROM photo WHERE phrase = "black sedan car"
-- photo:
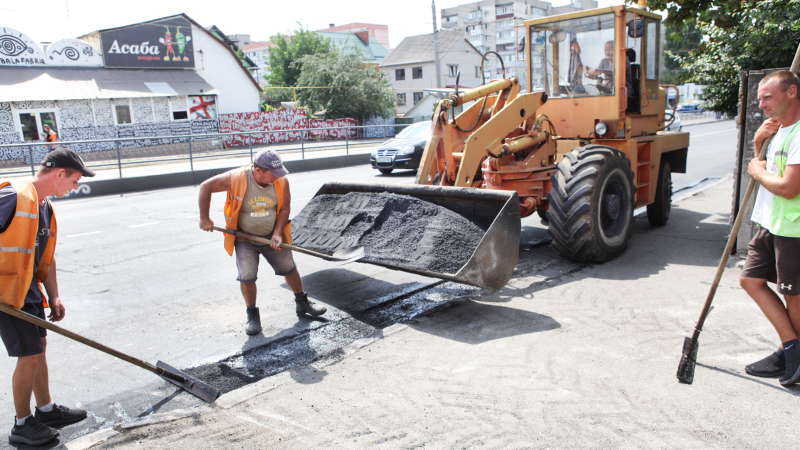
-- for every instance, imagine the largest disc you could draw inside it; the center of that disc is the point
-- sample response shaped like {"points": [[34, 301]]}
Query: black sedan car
{"points": [[404, 151]]}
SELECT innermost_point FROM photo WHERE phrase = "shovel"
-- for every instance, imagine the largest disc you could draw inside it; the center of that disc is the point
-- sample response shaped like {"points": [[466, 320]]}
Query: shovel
{"points": [[189, 384], [689, 357], [345, 255]]}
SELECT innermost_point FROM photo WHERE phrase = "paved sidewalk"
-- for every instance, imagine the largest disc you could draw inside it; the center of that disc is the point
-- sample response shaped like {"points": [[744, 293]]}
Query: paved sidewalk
{"points": [[566, 356]]}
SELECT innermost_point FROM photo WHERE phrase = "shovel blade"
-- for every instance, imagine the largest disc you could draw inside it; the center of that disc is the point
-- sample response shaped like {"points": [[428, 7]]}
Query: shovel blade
{"points": [[688, 361], [197, 388], [350, 254]]}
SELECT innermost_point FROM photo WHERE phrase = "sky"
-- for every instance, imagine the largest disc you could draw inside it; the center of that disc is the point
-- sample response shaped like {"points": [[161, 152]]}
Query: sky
{"points": [[51, 20]]}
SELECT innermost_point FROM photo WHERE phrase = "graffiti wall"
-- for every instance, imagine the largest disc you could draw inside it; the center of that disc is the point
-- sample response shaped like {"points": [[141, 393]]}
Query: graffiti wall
{"points": [[262, 121], [324, 132], [379, 131], [278, 121]]}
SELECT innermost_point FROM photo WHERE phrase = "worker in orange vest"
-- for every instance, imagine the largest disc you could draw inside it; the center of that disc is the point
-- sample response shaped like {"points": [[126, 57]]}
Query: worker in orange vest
{"points": [[27, 245], [258, 204]]}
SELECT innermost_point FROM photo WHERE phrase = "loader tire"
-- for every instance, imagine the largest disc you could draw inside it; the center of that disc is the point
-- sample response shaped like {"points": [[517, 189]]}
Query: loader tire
{"points": [[591, 204], [658, 211]]}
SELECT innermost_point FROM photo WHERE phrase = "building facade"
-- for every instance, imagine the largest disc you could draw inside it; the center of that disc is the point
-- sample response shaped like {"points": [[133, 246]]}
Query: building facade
{"points": [[160, 78], [411, 67], [496, 25]]}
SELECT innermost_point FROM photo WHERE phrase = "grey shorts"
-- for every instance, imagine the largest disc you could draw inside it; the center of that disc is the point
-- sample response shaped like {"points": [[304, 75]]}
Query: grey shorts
{"points": [[247, 257], [774, 258], [23, 338]]}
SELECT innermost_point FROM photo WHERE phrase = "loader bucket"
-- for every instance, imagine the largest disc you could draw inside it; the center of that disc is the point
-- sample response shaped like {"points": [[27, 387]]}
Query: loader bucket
{"points": [[493, 260]]}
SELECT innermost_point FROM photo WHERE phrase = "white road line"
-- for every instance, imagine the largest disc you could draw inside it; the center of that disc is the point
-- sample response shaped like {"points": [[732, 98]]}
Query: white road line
{"points": [[709, 134], [143, 224], [82, 234]]}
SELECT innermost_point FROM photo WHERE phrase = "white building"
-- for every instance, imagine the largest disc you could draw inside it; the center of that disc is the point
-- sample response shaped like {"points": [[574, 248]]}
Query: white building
{"points": [[161, 78], [258, 52], [410, 67], [496, 25]]}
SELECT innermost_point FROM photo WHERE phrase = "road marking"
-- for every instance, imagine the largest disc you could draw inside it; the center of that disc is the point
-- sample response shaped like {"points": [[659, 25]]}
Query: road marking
{"points": [[709, 134], [82, 234], [143, 224]]}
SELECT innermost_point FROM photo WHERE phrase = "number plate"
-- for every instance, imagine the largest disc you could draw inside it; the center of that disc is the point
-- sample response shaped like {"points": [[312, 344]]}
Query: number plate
{"points": [[384, 159]]}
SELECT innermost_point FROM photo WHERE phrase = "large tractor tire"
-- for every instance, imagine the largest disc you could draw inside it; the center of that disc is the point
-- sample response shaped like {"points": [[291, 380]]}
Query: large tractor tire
{"points": [[591, 204], [658, 211]]}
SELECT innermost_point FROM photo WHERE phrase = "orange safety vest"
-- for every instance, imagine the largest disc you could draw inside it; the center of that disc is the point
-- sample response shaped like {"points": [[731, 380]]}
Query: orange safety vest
{"points": [[234, 203], [18, 248]]}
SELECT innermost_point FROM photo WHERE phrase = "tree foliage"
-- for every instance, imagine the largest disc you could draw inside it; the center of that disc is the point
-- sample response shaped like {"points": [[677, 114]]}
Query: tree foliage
{"points": [[681, 39], [368, 92], [754, 37], [285, 56]]}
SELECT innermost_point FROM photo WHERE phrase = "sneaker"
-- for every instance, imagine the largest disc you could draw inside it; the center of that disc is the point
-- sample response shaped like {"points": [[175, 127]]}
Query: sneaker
{"points": [[60, 415], [32, 432], [253, 321], [792, 374], [306, 306], [773, 366]]}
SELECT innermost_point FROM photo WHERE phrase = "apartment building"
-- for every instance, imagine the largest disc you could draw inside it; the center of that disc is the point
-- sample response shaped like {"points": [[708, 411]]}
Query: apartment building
{"points": [[495, 25], [411, 66]]}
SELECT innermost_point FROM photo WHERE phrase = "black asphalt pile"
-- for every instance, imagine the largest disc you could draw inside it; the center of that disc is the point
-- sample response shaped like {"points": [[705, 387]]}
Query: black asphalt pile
{"points": [[393, 229]]}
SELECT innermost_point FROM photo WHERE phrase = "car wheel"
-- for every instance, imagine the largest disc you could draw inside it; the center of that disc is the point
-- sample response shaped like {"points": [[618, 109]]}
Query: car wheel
{"points": [[386, 171]]}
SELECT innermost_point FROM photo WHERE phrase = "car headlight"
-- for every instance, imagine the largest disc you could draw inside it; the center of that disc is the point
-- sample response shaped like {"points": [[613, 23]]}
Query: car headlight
{"points": [[600, 129], [407, 150]]}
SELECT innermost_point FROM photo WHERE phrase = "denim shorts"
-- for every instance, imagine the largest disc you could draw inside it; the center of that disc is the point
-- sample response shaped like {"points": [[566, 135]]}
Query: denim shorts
{"points": [[247, 258], [23, 338]]}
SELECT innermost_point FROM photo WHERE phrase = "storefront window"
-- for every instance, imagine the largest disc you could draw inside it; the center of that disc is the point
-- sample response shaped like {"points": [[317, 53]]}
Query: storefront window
{"points": [[123, 114]]}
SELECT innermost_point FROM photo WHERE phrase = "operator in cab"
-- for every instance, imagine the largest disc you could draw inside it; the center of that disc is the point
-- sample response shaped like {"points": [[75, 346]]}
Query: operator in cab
{"points": [[605, 72]]}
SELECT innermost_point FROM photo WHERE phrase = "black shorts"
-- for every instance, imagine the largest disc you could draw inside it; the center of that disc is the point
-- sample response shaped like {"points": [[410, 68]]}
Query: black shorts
{"points": [[774, 258], [23, 338]]}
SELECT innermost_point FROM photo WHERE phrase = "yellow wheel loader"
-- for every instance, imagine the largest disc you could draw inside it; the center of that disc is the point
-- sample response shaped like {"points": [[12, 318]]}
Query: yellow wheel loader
{"points": [[583, 148]]}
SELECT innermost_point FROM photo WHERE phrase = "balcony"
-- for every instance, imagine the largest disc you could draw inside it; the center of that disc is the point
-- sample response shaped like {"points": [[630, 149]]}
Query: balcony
{"points": [[480, 39], [476, 32], [473, 18], [450, 24]]}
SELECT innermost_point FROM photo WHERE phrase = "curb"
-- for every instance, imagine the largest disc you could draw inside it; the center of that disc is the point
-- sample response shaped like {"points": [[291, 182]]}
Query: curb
{"points": [[704, 123], [225, 401]]}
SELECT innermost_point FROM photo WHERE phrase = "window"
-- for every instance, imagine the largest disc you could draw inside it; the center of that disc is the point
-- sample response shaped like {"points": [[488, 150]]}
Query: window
{"points": [[505, 34], [416, 72], [507, 9], [123, 114], [505, 23], [417, 97], [400, 74], [180, 115], [401, 99], [477, 71], [452, 71], [651, 60]]}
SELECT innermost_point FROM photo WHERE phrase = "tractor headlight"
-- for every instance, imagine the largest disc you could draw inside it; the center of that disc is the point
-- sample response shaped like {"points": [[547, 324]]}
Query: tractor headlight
{"points": [[407, 150], [600, 129]]}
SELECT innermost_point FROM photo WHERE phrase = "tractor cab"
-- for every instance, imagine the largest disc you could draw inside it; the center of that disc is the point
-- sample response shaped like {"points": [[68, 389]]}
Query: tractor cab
{"points": [[598, 66]]}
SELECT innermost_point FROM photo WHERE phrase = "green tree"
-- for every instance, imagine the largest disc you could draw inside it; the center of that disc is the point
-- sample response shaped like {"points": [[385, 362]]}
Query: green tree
{"points": [[758, 36], [368, 92], [285, 56], [681, 38]]}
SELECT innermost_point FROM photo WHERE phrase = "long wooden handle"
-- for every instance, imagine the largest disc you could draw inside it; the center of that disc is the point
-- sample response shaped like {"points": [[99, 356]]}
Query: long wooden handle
{"points": [[264, 240], [86, 341]]}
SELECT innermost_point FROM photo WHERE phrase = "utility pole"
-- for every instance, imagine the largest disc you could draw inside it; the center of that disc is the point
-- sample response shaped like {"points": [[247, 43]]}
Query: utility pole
{"points": [[436, 50]]}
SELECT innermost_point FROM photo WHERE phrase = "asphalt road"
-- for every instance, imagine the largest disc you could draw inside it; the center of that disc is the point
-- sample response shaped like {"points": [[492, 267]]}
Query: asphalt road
{"points": [[137, 274]]}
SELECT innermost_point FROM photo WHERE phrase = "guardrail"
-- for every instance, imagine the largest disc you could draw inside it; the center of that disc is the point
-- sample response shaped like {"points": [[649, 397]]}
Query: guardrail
{"points": [[190, 138]]}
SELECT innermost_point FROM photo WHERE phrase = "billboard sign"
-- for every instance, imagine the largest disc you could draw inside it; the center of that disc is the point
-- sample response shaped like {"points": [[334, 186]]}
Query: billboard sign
{"points": [[166, 44]]}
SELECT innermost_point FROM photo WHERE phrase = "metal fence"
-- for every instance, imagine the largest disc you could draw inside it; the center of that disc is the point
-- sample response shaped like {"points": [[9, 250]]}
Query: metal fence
{"points": [[192, 156]]}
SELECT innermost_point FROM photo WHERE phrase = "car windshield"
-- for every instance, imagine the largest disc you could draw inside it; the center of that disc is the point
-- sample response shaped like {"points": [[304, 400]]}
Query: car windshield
{"points": [[418, 130]]}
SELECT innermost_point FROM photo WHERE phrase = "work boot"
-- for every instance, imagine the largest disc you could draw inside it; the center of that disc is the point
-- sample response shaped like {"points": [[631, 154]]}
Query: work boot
{"points": [[253, 321], [305, 306], [32, 432], [772, 366], [60, 415]]}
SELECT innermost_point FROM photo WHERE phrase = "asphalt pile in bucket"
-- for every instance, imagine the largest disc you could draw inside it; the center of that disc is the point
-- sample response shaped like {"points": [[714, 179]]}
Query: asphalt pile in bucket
{"points": [[393, 229]]}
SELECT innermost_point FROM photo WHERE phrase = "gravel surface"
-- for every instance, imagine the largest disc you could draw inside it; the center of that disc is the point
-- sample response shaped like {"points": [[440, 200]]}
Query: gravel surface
{"points": [[393, 229]]}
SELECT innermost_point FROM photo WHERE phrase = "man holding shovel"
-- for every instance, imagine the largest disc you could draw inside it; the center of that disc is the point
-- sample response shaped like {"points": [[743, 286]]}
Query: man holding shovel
{"points": [[258, 204], [27, 245], [773, 251]]}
